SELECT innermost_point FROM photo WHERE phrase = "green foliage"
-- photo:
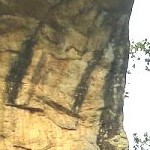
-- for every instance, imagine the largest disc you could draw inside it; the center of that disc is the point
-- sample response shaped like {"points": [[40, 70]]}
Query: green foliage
{"points": [[140, 46], [136, 49], [140, 51], [141, 143]]}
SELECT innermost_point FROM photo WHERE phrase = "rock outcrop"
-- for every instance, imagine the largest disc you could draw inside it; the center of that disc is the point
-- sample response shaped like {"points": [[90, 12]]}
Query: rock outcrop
{"points": [[62, 74]]}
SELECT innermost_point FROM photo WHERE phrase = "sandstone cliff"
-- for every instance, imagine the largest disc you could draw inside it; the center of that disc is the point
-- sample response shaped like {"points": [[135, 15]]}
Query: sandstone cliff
{"points": [[62, 74]]}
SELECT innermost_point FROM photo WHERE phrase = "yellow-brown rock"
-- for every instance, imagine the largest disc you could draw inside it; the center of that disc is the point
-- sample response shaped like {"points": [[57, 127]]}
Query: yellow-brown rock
{"points": [[62, 74]]}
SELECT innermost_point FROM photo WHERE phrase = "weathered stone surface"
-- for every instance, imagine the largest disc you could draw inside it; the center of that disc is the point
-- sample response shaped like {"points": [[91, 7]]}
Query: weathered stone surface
{"points": [[62, 76]]}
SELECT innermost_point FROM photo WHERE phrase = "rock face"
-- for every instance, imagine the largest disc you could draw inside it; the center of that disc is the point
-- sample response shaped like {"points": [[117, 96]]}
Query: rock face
{"points": [[62, 74]]}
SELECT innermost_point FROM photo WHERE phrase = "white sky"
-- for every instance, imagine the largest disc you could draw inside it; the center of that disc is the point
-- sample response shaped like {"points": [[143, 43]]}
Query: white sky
{"points": [[137, 106], [140, 20]]}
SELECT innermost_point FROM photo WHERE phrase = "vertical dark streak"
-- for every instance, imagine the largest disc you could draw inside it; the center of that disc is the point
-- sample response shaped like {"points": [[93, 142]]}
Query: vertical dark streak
{"points": [[38, 75], [19, 67], [18, 70], [110, 118], [114, 87], [82, 87], [109, 124]]}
